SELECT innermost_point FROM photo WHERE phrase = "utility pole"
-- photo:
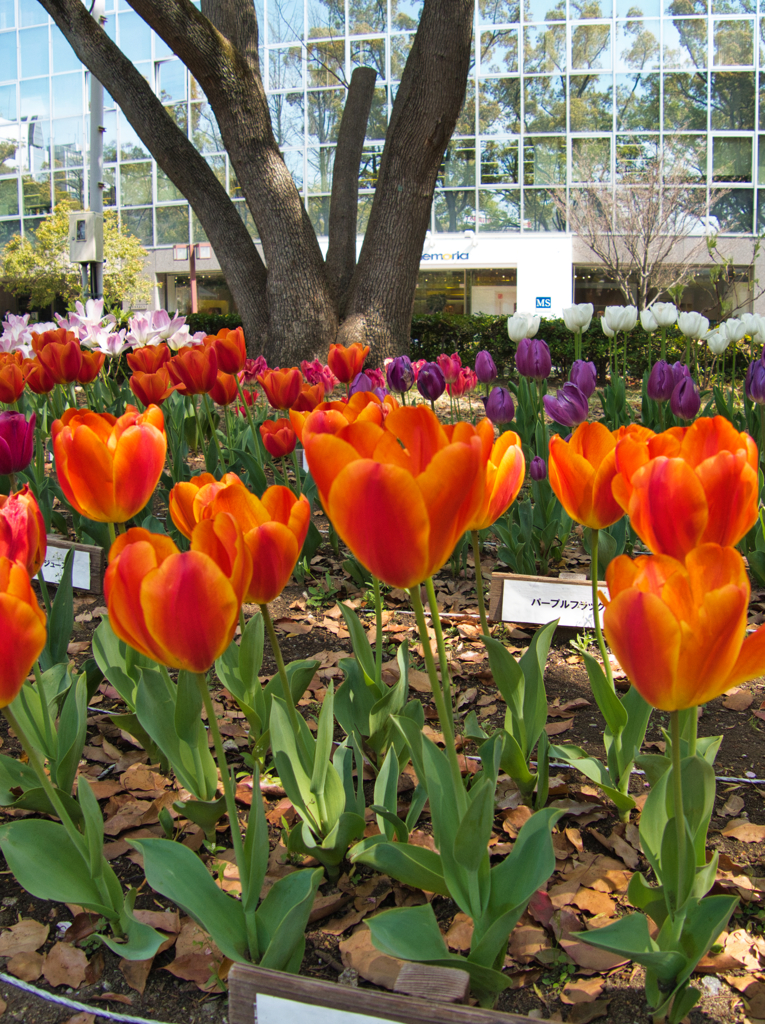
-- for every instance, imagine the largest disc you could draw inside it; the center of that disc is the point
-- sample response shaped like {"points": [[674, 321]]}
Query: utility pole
{"points": [[96, 282]]}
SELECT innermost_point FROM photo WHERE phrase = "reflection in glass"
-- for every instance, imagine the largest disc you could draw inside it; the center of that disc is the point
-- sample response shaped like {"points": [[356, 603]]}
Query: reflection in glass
{"points": [[639, 9], [499, 163], [246, 216], [320, 163], [285, 20], [326, 19], [540, 212], [637, 102], [686, 154], [166, 190], [36, 193], [318, 211], [9, 197], [499, 52], [35, 140], [69, 184], [69, 144], [634, 153], [31, 13], [369, 53], [171, 81], [399, 52], [544, 48], [732, 100], [293, 159], [591, 47], [8, 53], [370, 166], [64, 57], [733, 43], [590, 160], [637, 45], [139, 223], [466, 119], [7, 14], [7, 103], [685, 102], [454, 210], [733, 212], [67, 95], [31, 227], [325, 108], [685, 43], [499, 106], [33, 50], [731, 159], [405, 14], [205, 133], [544, 161], [544, 10], [590, 102], [134, 37], [131, 147], [499, 209], [580, 9], [367, 17], [9, 148], [458, 167], [734, 6], [179, 113], [198, 233], [678, 8], [761, 161], [498, 12], [110, 186], [363, 211], [326, 63], [135, 182], [285, 68], [172, 225], [545, 104], [287, 118]]}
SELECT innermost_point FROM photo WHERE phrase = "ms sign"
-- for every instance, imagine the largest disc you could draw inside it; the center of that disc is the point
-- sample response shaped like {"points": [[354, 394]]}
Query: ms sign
{"points": [[544, 302]]}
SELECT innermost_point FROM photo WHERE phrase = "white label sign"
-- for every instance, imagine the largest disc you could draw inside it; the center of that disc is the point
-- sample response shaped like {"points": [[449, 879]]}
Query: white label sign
{"points": [[272, 1010], [53, 567], [539, 602]]}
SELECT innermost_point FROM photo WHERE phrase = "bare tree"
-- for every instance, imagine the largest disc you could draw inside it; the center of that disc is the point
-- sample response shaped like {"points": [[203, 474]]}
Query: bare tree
{"points": [[650, 229], [295, 304]]}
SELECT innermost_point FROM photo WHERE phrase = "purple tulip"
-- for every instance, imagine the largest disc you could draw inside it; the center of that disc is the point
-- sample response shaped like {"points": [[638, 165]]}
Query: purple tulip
{"points": [[360, 383], [754, 385], [485, 369], [380, 393], [584, 375], [430, 382], [537, 468], [400, 374], [569, 407], [533, 358], [680, 371], [17, 438], [499, 406], [661, 382], [685, 401]]}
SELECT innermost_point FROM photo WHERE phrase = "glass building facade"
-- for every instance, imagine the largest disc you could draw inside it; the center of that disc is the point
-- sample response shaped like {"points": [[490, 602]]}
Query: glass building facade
{"points": [[553, 87]]}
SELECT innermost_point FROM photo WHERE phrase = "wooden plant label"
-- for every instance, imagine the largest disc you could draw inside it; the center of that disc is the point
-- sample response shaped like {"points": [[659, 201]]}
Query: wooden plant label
{"points": [[258, 996], [87, 565], [535, 600]]}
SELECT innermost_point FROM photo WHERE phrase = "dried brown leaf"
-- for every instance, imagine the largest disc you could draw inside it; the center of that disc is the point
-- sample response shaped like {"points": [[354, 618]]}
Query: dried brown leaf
{"points": [[24, 937], [65, 965]]}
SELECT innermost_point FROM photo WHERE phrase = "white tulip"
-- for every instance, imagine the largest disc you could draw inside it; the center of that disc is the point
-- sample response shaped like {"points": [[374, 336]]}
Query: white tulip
{"points": [[664, 313], [577, 318], [693, 325], [734, 329], [620, 318], [522, 325], [718, 342], [755, 325], [606, 329], [648, 320]]}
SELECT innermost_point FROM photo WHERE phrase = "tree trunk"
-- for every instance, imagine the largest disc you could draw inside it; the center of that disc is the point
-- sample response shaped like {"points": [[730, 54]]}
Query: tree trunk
{"points": [[186, 168], [428, 102]]}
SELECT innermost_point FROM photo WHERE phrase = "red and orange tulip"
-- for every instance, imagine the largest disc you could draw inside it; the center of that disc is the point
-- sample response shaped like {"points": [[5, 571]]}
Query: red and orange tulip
{"points": [[230, 350], [400, 495], [181, 609], [60, 353], [504, 468], [362, 406], [678, 630], [148, 359], [22, 626], [22, 530], [281, 387], [344, 362], [311, 395], [689, 487], [581, 471], [36, 377], [224, 390], [194, 369], [107, 467], [152, 388], [189, 500], [91, 367], [11, 376], [278, 436]]}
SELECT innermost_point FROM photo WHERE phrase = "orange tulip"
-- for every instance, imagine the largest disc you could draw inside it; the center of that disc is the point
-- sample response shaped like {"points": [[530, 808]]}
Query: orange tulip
{"points": [[230, 350], [152, 388], [504, 467], [148, 359], [344, 362], [181, 609], [11, 377], [60, 353], [36, 377], [400, 495], [678, 630], [310, 396], [189, 500], [274, 526], [194, 368], [281, 387], [581, 471], [91, 367], [685, 489], [361, 406], [108, 468], [22, 530], [224, 390], [22, 626], [278, 437]]}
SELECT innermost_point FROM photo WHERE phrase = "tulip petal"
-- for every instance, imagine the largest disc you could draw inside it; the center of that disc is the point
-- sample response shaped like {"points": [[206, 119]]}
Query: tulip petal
{"points": [[86, 476], [124, 575], [327, 455], [24, 635], [750, 663], [730, 485], [628, 621], [274, 549], [420, 433], [668, 508], [710, 647], [452, 487], [139, 459]]}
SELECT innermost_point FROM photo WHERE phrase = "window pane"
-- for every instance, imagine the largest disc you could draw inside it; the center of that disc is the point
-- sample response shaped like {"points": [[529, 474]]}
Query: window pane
{"points": [[454, 211], [545, 104], [293, 158], [734, 6], [36, 189], [285, 21], [67, 95], [135, 182], [285, 68], [172, 225], [734, 212], [685, 101], [499, 106], [371, 16], [732, 100], [320, 163], [544, 48], [326, 64], [70, 185], [171, 81], [64, 57], [580, 9], [8, 52], [761, 161], [69, 143], [731, 159], [466, 119], [110, 186], [685, 43], [591, 103], [325, 18], [499, 52], [110, 136], [179, 114], [543, 10], [9, 197], [166, 190], [642, 9], [458, 167], [287, 115], [540, 212], [633, 153], [688, 154], [205, 133], [637, 102], [500, 209], [590, 47], [7, 14], [498, 12], [363, 211], [544, 161], [325, 108], [318, 211], [369, 53], [31, 13], [499, 163], [591, 160], [8, 102], [370, 166], [138, 223], [131, 146], [399, 52], [405, 14], [33, 47], [9, 148], [733, 43], [637, 45], [134, 37]]}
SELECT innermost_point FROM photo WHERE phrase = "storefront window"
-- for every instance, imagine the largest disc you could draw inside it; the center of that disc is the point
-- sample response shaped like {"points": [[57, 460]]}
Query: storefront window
{"points": [[213, 294]]}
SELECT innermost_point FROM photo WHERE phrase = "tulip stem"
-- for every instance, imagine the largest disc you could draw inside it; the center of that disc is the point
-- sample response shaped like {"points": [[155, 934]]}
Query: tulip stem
{"points": [[445, 678], [292, 710], [445, 720], [44, 590], [112, 533], [762, 437], [248, 414], [296, 464], [378, 629], [596, 610], [475, 541], [213, 431], [228, 790], [677, 790]]}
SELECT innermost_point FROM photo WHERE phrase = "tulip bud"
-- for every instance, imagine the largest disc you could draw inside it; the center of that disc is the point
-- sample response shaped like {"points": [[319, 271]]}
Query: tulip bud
{"points": [[620, 318], [430, 382], [685, 401], [679, 372], [661, 382], [734, 329], [499, 406], [648, 321], [522, 325], [664, 313], [717, 341], [538, 468], [360, 383], [485, 368], [450, 366], [533, 358], [693, 325], [569, 407], [400, 374], [578, 318], [17, 438], [584, 375], [754, 385]]}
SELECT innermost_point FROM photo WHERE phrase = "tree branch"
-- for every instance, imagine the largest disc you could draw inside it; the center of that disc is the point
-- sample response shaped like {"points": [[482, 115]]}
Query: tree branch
{"points": [[237, 22]]}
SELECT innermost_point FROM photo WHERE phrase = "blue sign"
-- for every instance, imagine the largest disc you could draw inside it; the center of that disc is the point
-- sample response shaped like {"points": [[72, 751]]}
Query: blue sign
{"points": [[544, 302]]}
